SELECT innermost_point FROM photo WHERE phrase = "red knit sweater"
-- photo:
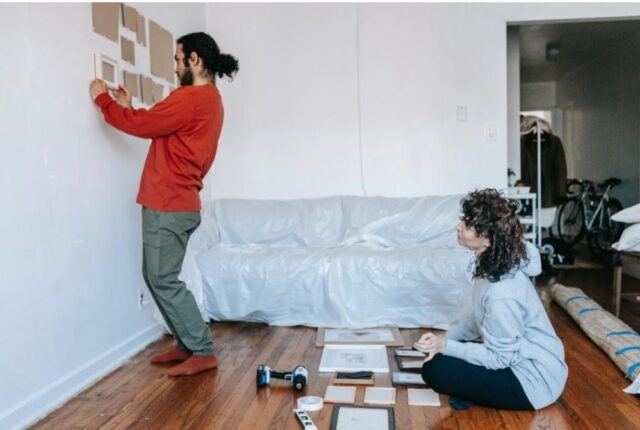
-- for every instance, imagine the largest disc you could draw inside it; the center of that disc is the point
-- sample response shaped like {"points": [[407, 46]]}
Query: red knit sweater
{"points": [[184, 128]]}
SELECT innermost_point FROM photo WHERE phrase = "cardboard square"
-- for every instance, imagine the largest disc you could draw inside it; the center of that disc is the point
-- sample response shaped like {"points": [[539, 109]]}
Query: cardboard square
{"points": [[161, 48], [340, 394], [141, 30], [131, 81], [423, 397], [129, 17], [105, 18], [128, 50], [380, 396], [146, 85], [158, 92]]}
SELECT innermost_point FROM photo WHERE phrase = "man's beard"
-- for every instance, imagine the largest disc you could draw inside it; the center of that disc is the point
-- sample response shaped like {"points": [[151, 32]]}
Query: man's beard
{"points": [[187, 77]]}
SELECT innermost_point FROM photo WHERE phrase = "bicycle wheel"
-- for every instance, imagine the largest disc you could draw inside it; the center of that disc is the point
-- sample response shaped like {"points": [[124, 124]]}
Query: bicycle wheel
{"points": [[571, 226], [607, 231]]}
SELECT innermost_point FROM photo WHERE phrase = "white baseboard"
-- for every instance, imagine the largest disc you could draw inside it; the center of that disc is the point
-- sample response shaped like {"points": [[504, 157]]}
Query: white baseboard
{"points": [[43, 402]]}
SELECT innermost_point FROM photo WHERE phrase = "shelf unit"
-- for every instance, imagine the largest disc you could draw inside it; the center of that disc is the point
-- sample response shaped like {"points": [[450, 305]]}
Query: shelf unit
{"points": [[530, 222]]}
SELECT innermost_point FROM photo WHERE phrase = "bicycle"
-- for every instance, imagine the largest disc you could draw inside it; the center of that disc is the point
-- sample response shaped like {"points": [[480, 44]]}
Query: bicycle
{"points": [[590, 213]]}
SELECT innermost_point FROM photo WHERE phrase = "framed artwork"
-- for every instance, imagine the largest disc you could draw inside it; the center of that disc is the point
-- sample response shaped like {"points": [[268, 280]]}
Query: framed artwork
{"points": [[354, 358], [407, 378], [352, 417], [370, 336], [410, 363], [409, 352], [106, 69]]}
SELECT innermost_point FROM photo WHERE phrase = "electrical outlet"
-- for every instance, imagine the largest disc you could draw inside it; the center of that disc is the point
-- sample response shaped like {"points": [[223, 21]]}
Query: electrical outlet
{"points": [[141, 300]]}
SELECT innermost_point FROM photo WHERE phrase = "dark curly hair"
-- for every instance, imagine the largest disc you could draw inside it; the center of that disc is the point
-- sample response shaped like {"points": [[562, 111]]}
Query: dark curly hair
{"points": [[215, 62], [494, 217]]}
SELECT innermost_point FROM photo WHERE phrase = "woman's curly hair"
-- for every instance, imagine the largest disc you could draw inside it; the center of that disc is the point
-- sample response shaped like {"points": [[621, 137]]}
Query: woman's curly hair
{"points": [[494, 217]]}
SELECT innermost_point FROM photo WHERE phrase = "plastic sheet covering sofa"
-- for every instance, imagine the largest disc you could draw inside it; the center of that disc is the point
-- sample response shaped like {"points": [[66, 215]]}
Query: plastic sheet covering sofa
{"points": [[340, 261]]}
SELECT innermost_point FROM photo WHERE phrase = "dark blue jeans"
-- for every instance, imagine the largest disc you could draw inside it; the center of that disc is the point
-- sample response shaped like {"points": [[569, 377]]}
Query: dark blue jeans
{"points": [[498, 389]]}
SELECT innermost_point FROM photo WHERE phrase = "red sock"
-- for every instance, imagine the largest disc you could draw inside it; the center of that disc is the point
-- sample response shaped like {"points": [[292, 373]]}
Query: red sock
{"points": [[176, 354], [195, 364]]}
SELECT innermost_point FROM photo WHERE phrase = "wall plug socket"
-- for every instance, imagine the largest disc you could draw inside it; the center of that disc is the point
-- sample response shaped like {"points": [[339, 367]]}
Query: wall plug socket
{"points": [[142, 301]]}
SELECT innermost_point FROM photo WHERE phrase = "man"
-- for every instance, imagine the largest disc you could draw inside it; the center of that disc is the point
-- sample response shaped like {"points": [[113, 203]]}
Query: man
{"points": [[184, 129]]}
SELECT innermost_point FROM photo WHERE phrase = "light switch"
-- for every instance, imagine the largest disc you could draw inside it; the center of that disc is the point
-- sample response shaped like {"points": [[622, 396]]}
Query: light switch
{"points": [[461, 113], [491, 133]]}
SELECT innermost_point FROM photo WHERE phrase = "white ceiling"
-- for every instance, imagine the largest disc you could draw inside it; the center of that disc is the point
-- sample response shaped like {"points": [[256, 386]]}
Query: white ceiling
{"points": [[577, 42]]}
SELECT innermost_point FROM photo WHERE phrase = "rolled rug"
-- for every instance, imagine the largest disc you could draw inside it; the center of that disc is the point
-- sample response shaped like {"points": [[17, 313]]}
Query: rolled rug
{"points": [[617, 339]]}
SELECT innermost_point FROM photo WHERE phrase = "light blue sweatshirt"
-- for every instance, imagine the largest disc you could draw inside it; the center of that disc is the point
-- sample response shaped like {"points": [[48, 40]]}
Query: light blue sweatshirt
{"points": [[516, 333]]}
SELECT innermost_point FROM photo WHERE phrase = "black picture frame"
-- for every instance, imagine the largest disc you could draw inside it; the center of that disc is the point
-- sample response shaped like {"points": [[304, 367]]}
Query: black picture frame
{"points": [[335, 414]]}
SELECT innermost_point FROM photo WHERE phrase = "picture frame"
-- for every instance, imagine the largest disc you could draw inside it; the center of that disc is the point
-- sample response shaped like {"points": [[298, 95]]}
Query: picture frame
{"points": [[389, 336], [356, 417], [354, 358], [410, 364], [409, 352], [407, 378], [107, 69]]}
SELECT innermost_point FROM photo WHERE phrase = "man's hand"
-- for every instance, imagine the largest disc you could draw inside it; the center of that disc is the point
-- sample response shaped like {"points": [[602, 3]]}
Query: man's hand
{"points": [[122, 96], [431, 344], [97, 87]]}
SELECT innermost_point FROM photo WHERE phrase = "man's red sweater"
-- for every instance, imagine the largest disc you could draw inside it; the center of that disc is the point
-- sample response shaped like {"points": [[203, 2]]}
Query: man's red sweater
{"points": [[185, 128]]}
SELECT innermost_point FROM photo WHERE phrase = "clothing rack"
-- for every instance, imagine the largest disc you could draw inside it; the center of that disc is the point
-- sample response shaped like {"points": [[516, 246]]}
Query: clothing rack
{"points": [[538, 201]]}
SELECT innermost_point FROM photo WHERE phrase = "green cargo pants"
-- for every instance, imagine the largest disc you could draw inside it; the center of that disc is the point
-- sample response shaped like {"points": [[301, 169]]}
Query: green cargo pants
{"points": [[165, 236]]}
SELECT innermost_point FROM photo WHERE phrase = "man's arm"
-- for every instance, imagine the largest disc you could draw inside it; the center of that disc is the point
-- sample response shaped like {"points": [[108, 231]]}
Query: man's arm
{"points": [[162, 119]]}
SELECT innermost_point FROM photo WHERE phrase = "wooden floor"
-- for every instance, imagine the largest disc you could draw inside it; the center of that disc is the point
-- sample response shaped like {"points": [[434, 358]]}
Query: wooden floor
{"points": [[140, 396]]}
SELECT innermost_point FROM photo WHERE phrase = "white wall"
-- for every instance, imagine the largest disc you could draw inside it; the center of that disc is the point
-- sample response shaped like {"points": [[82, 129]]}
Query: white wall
{"points": [[291, 117], [603, 137], [309, 72], [71, 237]]}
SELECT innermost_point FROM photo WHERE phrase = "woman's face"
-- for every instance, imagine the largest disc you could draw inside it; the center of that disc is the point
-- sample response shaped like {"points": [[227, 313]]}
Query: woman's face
{"points": [[468, 237]]}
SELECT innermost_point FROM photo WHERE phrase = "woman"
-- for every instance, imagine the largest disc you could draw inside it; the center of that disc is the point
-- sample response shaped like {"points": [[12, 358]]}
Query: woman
{"points": [[519, 364]]}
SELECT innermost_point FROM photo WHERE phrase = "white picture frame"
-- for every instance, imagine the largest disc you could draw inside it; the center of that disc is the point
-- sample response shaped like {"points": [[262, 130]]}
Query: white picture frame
{"points": [[389, 336], [107, 69], [354, 358]]}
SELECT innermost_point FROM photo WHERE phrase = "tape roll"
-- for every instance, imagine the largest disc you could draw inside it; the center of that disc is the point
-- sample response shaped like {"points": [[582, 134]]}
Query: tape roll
{"points": [[310, 403]]}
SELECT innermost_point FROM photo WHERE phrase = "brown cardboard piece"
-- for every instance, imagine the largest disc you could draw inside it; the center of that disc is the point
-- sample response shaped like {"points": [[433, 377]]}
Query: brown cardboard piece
{"points": [[131, 83], [147, 90], [161, 52], [128, 50], [129, 17], [158, 92], [108, 72], [141, 30], [106, 19]]}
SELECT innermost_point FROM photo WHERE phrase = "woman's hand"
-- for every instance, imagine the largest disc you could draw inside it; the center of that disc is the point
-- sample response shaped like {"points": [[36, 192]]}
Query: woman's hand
{"points": [[431, 344], [97, 87], [122, 96]]}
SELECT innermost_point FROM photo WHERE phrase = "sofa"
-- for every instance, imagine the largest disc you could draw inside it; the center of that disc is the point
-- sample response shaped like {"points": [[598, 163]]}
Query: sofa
{"points": [[343, 261]]}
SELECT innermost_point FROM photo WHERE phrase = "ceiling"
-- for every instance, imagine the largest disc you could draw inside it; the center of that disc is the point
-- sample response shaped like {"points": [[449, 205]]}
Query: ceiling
{"points": [[576, 43]]}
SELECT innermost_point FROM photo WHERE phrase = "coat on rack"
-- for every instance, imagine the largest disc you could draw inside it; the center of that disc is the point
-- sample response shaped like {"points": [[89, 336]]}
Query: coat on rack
{"points": [[553, 167]]}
